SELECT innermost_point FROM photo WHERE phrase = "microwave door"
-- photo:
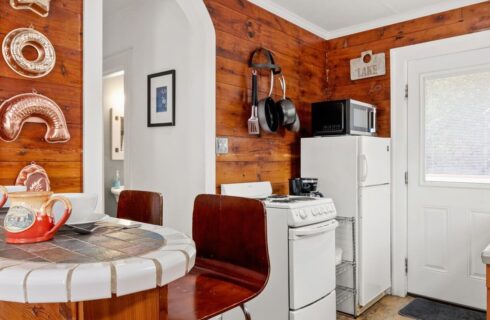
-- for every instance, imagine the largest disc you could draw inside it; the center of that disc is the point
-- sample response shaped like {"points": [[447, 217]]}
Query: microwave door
{"points": [[372, 120], [360, 119], [330, 119]]}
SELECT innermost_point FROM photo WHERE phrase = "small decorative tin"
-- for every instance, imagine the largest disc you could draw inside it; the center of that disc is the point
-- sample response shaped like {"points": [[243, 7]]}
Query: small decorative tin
{"points": [[34, 178], [40, 7]]}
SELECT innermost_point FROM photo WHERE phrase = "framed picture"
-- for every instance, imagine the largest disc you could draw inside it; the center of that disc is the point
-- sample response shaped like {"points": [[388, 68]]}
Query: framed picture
{"points": [[161, 99]]}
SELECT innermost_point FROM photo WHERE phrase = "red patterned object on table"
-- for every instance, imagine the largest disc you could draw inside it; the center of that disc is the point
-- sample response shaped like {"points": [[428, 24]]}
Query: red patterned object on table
{"points": [[34, 177], [30, 217]]}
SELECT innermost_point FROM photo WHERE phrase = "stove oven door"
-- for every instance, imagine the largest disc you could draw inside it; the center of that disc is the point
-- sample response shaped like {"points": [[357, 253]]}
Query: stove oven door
{"points": [[325, 309], [311, 264]]}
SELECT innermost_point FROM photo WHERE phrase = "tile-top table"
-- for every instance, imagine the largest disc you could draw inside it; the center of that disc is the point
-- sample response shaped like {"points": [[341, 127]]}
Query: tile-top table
{"points": [[74, 267]]}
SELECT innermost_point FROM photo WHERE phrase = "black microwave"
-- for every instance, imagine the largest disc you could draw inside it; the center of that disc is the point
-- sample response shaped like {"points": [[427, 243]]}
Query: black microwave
{"points": [[343, 117]]}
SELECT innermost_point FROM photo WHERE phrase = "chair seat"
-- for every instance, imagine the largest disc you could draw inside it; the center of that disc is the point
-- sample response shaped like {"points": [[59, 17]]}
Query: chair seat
{"points": [[206, 293]]}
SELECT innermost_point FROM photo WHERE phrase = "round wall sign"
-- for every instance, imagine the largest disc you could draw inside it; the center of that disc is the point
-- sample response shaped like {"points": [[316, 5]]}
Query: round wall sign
{"points": [[13, 51]]}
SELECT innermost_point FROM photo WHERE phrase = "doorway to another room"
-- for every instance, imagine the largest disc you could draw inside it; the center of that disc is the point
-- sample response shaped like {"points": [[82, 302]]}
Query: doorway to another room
{"points": [[114, 138]]}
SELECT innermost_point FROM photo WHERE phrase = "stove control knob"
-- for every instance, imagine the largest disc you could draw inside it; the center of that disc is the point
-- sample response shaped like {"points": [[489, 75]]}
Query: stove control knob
{"points": [[315, 212], [303, 214]]}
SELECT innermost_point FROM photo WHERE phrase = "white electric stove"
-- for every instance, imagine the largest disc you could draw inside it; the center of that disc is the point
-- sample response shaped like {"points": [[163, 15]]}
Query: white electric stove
{"points": [[301, 241]]}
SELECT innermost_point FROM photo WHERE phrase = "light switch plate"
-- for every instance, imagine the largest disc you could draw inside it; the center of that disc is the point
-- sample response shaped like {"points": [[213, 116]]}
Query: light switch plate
{"points": [[221, 145]]}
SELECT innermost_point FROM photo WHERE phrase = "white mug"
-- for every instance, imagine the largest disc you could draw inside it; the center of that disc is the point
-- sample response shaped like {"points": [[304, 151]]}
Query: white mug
{"points": [[83, 205]]}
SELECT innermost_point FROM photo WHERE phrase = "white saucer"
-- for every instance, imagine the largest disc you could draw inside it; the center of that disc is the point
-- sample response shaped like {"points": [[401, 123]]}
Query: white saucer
{"points": [[87, 219]]}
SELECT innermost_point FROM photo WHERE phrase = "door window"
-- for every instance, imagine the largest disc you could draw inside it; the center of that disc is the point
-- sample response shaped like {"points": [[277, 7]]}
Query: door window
{"points": [[457, 126]]}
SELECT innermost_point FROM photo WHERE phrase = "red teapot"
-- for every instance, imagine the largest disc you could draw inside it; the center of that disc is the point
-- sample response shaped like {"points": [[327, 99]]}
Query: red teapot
{"points": [[29, 218]]}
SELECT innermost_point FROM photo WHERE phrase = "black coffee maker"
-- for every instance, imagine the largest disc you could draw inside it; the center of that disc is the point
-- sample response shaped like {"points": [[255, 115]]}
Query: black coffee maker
{"points": [[306, 187]]}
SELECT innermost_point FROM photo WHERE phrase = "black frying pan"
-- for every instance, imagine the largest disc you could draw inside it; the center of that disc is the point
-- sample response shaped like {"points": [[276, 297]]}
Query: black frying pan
{"points": [[268, 114], [296, 126], [285, 107]]}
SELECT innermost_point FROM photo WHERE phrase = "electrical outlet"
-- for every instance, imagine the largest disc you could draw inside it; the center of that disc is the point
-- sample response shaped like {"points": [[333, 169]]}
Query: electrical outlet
{"points": [[221, 145]]}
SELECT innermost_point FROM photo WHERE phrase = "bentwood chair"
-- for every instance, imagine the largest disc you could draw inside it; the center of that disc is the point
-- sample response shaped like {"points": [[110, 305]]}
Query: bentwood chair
{"points": [[232, 265], [141, 206]]}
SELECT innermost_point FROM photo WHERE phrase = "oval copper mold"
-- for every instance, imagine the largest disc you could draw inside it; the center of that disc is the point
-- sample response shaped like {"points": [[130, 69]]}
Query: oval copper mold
{"points": [[17, 110], [12, 48]]}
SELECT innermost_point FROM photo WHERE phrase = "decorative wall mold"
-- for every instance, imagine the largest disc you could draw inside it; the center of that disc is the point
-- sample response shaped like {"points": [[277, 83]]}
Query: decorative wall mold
{"points": [[14, 44], [64, 84], [40, 7], [20, 109], [34, 178]]}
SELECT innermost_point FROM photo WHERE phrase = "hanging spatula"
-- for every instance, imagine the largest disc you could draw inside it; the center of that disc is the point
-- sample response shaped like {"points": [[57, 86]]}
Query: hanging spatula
{"points": [[253, 122]]}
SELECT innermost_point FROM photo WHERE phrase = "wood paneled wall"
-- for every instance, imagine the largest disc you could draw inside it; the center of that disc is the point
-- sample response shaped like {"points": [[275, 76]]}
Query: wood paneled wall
{"points": [[63, 162], [242, 27], [377, 90]]}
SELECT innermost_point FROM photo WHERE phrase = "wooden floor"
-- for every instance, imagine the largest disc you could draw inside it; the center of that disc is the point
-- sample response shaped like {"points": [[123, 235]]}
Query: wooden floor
{"points": [[386, 309]]}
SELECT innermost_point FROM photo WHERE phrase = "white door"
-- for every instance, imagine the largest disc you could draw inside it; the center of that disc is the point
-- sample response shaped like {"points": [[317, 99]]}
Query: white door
{"points": [[374, 161], [449, 176]]}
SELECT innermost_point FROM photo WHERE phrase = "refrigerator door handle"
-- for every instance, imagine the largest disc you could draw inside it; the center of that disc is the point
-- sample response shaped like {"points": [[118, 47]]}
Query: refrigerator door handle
{"points": [[364, 167]]}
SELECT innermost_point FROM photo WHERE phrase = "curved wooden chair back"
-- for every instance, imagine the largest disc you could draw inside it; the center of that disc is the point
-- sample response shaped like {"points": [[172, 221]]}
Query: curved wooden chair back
{"points": [[141, 206], [232, 263], [231, 236]]}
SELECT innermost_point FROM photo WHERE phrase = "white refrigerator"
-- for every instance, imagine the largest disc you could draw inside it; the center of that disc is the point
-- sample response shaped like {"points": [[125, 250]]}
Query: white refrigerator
{"points": [[355, 172]]}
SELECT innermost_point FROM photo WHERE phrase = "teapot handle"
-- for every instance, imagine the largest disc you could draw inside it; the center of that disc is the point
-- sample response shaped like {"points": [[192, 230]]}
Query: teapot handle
{"points": [[48, 207], [4, 198]]}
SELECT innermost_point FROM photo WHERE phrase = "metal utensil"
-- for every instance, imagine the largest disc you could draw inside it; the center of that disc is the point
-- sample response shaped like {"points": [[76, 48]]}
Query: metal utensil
{"points": [[253, 122], [80, 230], [93, 228]]}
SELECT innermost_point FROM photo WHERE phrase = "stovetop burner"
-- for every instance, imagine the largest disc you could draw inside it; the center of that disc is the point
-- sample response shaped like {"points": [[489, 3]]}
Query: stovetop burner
{"points": [[288, 199], [278, 196]]}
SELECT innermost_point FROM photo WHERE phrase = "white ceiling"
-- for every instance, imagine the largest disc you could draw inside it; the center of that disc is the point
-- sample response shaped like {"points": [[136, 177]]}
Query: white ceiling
{"points": [[334, 18]]}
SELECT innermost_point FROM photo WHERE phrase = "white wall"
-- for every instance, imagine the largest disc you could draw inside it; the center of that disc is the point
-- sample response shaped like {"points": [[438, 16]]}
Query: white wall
{"points": [[93, 165], [175, 161]]}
